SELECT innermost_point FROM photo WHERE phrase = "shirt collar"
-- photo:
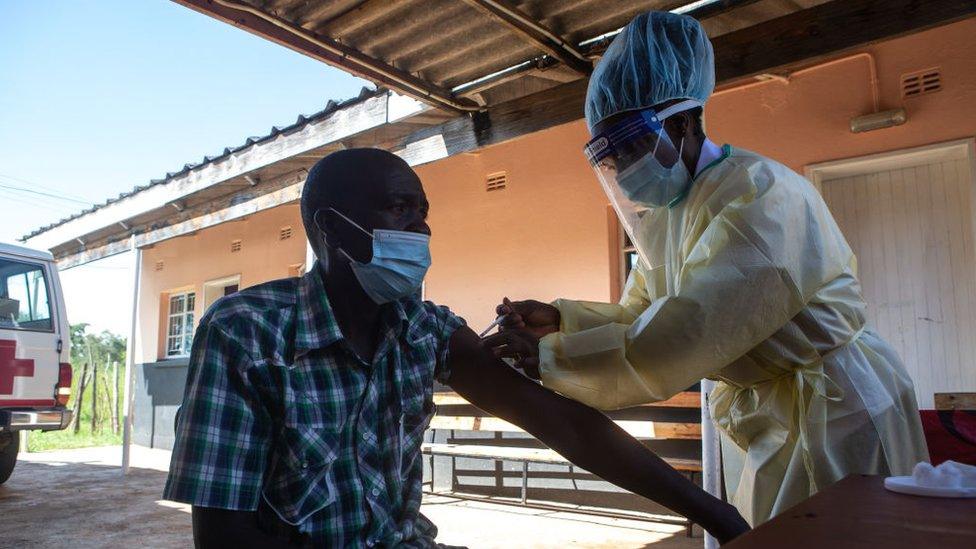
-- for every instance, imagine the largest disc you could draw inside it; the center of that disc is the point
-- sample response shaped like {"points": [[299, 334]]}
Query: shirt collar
{"points": [[317, 327], [316, 324], [709, 153]]}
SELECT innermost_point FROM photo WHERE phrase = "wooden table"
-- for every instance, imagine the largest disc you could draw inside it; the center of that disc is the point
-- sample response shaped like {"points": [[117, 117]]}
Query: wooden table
{"points": [[859, 512]]}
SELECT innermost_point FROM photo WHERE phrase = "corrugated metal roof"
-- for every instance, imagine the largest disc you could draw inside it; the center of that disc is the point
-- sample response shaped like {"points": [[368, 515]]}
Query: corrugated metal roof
{"points": [[427, 48], [450, 42], [302, 120]]}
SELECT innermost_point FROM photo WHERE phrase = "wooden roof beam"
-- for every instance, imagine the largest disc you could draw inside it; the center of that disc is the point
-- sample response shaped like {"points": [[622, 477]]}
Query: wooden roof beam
{"points": [[535, 33], [329, 51]]}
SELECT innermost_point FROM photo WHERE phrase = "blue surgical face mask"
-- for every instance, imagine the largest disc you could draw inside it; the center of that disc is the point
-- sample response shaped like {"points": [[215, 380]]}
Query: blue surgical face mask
{"points": [[648, 183], [399, 264]]}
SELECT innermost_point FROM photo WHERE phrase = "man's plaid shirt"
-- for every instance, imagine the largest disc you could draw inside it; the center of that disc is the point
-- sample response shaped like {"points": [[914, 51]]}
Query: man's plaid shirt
{"points": [[282, 417]]}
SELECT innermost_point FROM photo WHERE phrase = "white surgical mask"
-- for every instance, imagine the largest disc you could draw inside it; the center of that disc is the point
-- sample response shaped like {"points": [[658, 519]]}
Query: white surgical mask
{"points": [[399, 264]]}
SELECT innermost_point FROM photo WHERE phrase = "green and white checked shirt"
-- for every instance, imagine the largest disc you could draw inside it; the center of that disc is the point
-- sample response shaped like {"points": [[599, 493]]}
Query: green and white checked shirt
{"points": [[281, 416]]}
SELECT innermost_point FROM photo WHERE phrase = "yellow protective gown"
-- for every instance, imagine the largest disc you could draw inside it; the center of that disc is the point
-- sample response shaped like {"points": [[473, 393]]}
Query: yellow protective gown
{"points": [[750, 283]]}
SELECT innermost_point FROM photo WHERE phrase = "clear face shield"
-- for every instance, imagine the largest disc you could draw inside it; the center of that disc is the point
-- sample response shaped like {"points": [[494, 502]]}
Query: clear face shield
{"points": [[641, 171]]}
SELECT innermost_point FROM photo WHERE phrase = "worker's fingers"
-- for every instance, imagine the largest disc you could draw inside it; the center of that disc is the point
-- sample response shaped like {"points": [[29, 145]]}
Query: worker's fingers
{"points": [[512, 344], [530, 366], [505, 307], [508, 337], [512, 322], [518, 359]]}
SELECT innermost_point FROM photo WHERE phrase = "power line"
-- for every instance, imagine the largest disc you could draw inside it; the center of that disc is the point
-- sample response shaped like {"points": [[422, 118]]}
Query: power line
{"points": [[39, 193], [62, 209], [22, 180]]}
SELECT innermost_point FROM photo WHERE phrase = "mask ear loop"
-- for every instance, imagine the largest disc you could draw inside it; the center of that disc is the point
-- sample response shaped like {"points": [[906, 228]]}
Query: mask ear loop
{"points": [[657, 142], [681, 151], [353, 223]]}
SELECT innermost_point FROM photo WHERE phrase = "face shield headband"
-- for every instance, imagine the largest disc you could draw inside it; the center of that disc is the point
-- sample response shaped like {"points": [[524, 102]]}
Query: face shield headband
{"points": [[639, 133]]}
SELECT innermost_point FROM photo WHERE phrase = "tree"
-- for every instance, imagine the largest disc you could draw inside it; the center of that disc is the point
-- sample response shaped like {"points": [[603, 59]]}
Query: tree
{"points": [[92, 354]]}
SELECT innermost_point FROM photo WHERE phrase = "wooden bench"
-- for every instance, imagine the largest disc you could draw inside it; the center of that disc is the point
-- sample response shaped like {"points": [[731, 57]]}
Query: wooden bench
{"points": [[473, 419], [955, 401]]}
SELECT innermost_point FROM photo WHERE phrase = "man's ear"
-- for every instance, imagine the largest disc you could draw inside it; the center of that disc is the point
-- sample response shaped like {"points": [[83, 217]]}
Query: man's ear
{"points": [[326, 229], [682, 125]]}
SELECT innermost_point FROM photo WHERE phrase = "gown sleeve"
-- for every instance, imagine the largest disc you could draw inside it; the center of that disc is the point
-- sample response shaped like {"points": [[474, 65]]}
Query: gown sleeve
{"points": [[748, 272]]}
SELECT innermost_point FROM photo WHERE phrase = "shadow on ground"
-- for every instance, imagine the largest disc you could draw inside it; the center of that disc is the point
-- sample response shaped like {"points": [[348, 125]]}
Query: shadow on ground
{"points": [[57, 504], [79, 499]]}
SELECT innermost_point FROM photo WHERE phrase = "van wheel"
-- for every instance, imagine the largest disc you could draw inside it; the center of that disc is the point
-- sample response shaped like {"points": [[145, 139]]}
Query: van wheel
{"points": [[9, 445]]}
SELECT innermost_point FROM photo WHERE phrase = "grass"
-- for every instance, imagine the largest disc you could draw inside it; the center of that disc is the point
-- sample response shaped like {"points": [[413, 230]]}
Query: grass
{"points": [[38, 441], [59, 440]]}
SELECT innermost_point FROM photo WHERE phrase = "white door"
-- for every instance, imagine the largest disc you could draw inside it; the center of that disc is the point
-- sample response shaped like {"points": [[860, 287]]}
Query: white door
{"points": [[29, 357], [912, 231]]}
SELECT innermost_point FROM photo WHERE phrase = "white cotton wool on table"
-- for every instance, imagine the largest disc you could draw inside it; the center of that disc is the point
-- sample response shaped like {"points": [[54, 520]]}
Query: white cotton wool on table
{"points": [[949, 474]]}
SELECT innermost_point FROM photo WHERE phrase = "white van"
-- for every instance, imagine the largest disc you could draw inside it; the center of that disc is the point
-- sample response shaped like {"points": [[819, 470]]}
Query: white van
{"points": [[35, 375]]}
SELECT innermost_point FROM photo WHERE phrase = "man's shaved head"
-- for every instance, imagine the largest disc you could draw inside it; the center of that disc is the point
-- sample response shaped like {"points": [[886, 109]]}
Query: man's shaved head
{"points": [[372, 187], [346, 180]]}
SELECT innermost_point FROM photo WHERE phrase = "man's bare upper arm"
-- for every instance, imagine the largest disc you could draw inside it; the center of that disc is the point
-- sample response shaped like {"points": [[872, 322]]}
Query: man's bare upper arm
{"points": [[490, 384]]}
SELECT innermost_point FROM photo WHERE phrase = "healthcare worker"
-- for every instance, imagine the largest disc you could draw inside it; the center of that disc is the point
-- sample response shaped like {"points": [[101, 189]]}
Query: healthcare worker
{"points": [[744, 277]]}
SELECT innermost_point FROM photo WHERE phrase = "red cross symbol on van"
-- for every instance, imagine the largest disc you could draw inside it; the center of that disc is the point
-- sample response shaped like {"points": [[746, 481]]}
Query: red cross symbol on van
{"points": [[11, 367]]}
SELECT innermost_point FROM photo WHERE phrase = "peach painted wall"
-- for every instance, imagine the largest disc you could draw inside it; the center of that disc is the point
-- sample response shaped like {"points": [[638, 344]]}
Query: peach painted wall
{"points": [[807, 121], [544, 236], [190, 261]]}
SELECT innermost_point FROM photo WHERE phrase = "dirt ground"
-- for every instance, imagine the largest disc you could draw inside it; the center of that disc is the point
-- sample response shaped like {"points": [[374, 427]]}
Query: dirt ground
{"points": [[79, 499]]}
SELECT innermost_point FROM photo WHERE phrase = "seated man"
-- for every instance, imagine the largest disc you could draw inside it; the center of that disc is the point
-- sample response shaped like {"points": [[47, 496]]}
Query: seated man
{"points": [[307, 398]]}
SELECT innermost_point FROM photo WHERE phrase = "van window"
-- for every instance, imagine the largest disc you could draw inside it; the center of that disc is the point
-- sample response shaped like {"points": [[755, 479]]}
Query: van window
{"points": [[24, 297]]}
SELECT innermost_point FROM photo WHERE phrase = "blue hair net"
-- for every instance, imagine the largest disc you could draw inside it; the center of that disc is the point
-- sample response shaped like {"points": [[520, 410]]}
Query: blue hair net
{"points": [[658, 56]]}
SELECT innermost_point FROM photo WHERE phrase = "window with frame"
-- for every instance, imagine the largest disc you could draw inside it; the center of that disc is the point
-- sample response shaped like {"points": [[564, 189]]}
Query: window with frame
{"points": [[24, 299], [179, 332]]}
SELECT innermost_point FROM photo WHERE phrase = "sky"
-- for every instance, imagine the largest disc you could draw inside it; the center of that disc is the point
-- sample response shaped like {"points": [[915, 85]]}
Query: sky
{"points": [[98, 96]]}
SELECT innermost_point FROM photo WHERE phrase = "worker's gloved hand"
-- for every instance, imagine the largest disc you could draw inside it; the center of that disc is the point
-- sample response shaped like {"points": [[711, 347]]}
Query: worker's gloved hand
{"points": [[534, 317], [519, 345]]}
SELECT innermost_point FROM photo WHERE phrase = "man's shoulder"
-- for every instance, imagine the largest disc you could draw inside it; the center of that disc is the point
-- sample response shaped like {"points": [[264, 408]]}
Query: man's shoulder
{"points": [[429, 317], [267, 304]]}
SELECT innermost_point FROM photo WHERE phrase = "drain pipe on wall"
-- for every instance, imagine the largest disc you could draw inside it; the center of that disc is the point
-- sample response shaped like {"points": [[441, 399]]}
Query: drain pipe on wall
{"points": [[875, 120], [768, 77]]}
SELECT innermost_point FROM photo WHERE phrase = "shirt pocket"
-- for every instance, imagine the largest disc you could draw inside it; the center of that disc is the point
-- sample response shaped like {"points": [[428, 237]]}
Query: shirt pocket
{"points": [[302, 479]]}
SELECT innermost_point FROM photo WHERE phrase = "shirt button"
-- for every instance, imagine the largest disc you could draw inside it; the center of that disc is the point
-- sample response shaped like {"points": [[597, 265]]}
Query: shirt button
{"points": [[304, 465], [370, 543], [365, 436], [376, 491]]}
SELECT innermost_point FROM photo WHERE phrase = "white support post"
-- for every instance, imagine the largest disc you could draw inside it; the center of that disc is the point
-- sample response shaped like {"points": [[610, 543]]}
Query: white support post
{"points": [[711, 457], [130, 358], [309, 256]]}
